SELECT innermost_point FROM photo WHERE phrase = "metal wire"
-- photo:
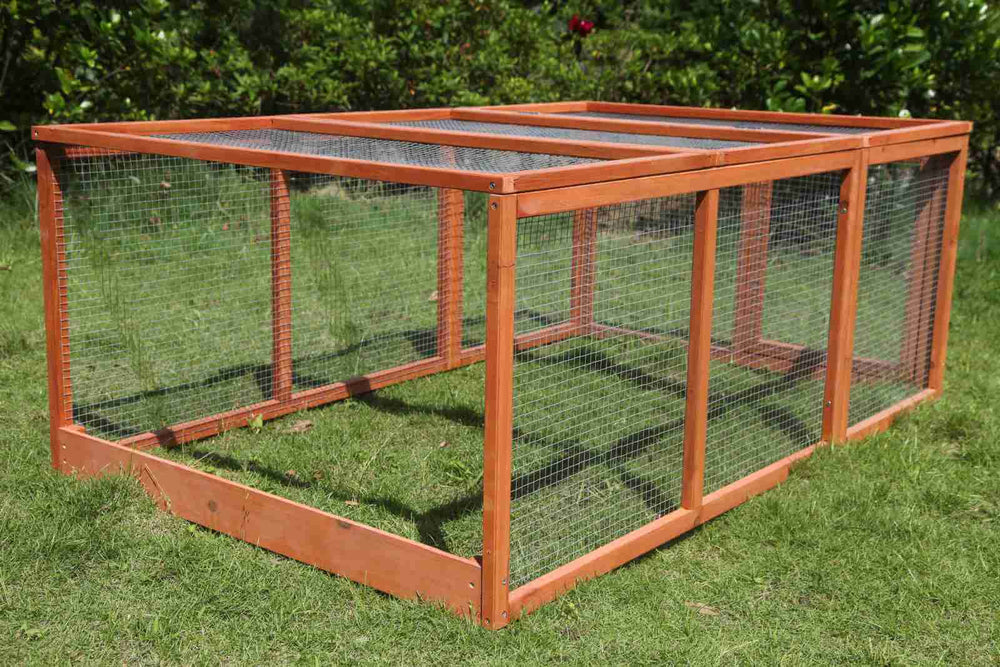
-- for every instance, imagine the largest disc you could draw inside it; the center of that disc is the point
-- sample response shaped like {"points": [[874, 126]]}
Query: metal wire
{"points": [[598, 416], [774, 273], [168, 276], [364, 276], [744, 124], [381, 150], [903, 227], [510, 129]]}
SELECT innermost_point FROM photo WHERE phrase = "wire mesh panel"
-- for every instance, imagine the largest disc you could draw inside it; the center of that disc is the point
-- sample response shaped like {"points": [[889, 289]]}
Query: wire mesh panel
{"points": [[774, 273], [726, 122], [365, 268], [602, 306], [512, 129], [381, 150], [169, 295], [897, 285]]}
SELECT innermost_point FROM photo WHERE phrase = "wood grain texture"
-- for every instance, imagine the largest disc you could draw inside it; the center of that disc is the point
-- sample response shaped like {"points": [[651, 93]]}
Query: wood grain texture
{"points": [[699, 348], [281, 287], [844, 301], [367, 555], [938, 129], [53, 243], [915, 149], [751, 269], [450, 256], [946, 269], [632, 189], [583, 269], [498, 434]]}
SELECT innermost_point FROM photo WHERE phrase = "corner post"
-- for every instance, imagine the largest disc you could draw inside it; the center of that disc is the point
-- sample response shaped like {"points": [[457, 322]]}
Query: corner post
{"points": [[699, 349], [54, 288], [498, 436], [450, 285], [281, 287], [844, 300], [751, 272], [946, 269]]}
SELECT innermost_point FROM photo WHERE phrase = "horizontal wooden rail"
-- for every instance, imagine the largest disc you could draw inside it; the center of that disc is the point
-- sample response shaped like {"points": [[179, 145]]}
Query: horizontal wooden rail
{"points": [[884, 419], [367, 555], [600, 150]]}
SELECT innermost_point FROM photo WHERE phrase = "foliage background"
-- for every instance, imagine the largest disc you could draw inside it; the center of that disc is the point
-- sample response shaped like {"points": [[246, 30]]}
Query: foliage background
{"points": [[144, 59]]}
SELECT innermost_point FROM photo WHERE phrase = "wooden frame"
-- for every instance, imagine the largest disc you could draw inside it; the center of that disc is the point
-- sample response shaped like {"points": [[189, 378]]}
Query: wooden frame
{"points": [[609, 174]]}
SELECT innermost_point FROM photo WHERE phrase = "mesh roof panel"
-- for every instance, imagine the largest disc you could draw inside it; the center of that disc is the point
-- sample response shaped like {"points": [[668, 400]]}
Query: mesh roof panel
{"points": [[381, 150], [742, 124], [577, 135]]}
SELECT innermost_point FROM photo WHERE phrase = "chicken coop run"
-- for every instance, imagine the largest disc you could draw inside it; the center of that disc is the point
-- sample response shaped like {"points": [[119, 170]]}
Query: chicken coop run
{"points": [[668, 306]]}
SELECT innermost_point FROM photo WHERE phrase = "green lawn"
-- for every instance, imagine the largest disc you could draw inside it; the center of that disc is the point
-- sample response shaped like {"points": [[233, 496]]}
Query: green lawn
{"points": [[882, 553]]}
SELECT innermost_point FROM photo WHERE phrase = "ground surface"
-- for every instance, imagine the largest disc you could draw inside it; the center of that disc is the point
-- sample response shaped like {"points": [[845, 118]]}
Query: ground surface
{"points": [[886, 552]]}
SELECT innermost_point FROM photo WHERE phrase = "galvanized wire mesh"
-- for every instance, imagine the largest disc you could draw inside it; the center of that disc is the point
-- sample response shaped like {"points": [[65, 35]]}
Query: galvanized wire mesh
{"points": [[897, 286], [774, 273], [743, 124], [381, 150], [602, 311], [365, 290], [169, 296], [510, 129]]}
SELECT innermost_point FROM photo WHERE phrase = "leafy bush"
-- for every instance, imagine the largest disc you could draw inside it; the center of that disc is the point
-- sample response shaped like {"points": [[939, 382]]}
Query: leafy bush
{"points": [[138, 59]]}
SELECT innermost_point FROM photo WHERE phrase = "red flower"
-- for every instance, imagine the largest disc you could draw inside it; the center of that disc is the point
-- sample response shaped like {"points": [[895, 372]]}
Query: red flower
{"points": [[580, 26]]}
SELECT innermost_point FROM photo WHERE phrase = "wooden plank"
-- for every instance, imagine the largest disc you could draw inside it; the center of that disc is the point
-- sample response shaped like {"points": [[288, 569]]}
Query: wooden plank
{"points": [[632, 126], [145, 127], [924, 259], [915, 149], [54, 292], [390, 116], [281, 287], [373, 557], [583, 269], [699, 349], [376, 171], [946, 269], [451, 218], [844, 301], [879, 122], [550, 107], [932, 131], [884, 419], [546, 588], [589, 149], [602, 194], [577, 174], [751, 270], [786, 149], [498, 435]]}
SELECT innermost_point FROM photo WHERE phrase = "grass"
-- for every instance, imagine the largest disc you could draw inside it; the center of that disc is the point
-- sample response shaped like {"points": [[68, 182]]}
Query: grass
{"points": [[880, 553]]}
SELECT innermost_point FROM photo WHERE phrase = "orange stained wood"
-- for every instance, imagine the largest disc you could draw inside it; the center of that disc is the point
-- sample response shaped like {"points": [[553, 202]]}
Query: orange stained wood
{"points": [[501, 254], [53, 242], [844, 301], [751, 271], [373, 557], [700, 348], [281, 287], [916, 149], [946, 269], [583, 269], [884, 419], [451, 217]]}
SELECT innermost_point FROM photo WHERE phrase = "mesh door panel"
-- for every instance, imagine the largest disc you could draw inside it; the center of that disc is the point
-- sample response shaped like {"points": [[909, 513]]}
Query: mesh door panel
{"points": [[169, 297], [774, 273], [901, 250], [599, 414]]}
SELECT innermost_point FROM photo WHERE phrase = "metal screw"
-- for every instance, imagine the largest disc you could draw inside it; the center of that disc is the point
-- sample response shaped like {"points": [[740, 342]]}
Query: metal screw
{"points": [[504, 614], [829, 403], [493, 206], [486, 621], [504, 582], [493, 186]]}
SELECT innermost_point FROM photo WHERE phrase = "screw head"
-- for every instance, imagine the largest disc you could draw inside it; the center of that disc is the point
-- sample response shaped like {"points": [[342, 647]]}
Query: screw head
{"points": [[493, 186], [493, 206]]}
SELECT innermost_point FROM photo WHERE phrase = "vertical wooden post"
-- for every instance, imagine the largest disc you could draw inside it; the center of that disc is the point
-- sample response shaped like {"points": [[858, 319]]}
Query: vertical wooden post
{"points": [[946, 268], [281, 287], [584, 270], [844, 300], [53, 241], [699, 348], [915, 352], [451, 217], [751, 272], [501, 253]]}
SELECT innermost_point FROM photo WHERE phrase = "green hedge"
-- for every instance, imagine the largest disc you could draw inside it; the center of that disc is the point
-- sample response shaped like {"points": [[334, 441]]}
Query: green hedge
{"points": [[84, 61]]}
